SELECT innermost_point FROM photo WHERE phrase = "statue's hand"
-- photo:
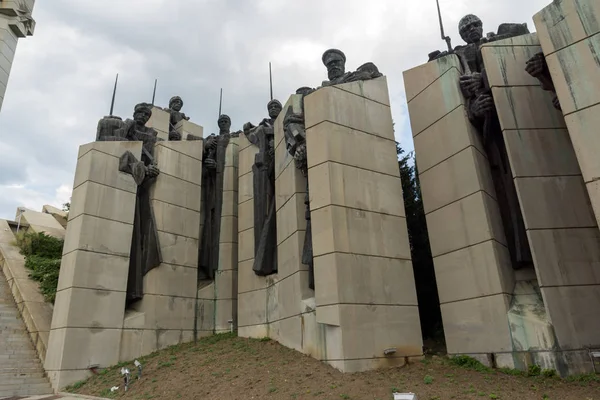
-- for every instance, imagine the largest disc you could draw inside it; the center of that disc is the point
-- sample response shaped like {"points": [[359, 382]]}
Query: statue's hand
{"points": [[482, 105], [300, 154], [470, 83], [174, 135], [248, 126], [210, 163], [535, 65], [152, 170], [211, 143]]}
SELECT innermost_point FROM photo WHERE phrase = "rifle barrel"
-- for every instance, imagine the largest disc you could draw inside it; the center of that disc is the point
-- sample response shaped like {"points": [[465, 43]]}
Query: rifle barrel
{"points": [[112, 103]]}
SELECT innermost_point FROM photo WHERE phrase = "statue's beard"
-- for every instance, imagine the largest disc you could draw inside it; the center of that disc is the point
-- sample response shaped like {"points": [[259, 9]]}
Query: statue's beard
{"points": [[335, 73]]}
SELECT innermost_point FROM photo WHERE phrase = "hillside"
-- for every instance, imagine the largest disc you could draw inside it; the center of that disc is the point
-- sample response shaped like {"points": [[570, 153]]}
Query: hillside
{"points": [[227, 367]]}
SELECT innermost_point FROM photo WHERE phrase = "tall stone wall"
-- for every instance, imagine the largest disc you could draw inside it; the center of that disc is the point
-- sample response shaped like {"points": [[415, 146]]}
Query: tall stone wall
{"points": [[89, 308], [569, 33], [216, 310], [272, 306], [472, 264], [363, 313], [165, 315]]}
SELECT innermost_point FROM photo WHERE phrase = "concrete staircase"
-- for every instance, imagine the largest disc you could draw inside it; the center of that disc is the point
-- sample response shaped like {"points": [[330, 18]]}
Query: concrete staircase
{"points": [[21, 372]]}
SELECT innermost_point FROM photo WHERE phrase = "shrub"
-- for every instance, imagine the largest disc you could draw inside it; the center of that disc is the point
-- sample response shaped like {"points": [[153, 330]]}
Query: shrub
{"points": [[43, 254]]}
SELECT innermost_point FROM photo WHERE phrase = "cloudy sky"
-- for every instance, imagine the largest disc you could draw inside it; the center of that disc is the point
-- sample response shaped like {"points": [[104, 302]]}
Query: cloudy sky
{"points": [[62, 77]]}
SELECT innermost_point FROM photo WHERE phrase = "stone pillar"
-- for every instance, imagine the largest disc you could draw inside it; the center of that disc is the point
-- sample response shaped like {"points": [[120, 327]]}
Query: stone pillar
{"points": [[160, 121], [226, 275], [568, 33], [290, 308], [15, 23], [364, 283], [165, 315], [560, 223], [90, 300], [252, 320], [217, 300], [185, 128], [472, 264]]}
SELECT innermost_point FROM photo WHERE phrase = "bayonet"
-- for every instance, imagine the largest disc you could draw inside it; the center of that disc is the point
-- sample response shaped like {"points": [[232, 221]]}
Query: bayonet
{"points": [[112, 103], [154, 92], [271, 80], [220, 102], [444, 37]]}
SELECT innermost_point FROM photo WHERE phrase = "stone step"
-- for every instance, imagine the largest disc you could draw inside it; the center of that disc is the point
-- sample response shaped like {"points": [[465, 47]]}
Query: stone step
{"points": [[25, 380], [16, 364], [15, 346], [4, 371], [25, 390], [17, 353], [31, 373]]}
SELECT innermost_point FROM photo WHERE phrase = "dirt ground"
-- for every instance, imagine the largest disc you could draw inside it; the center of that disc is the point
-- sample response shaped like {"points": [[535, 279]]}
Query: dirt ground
{"points": [[226, 367]]}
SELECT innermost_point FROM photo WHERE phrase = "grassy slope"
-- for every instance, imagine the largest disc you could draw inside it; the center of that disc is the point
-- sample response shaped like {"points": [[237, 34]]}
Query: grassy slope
{"points": [[227, 367]]}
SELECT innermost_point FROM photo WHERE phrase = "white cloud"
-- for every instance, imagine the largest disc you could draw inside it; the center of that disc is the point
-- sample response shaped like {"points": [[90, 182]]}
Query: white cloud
{"points": [[62, 77]]}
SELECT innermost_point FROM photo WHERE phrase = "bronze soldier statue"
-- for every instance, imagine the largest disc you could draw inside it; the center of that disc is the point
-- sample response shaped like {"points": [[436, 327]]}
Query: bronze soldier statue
{"points": [[482, 114], [265, 224], [145, 250], [175, 105], [213, 169]]}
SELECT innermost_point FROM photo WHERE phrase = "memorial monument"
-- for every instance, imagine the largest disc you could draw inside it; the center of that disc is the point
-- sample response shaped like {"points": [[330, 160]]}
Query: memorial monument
{"points": [[344, 245], [16, 22], [501, 187]]}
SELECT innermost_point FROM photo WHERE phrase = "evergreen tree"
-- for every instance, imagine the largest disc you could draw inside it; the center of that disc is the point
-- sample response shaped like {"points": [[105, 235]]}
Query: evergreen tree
{"points": [[427, 294]]}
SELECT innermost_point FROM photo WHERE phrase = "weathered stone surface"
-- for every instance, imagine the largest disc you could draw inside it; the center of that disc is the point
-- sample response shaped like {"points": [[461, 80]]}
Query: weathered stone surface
{"points": [[108, 313], [563, 23], [88, 233], [385, 281], [417, 79], [479, 270], [528, 152], [177, 220], [99, 345], [351, 231], [166, 312], [370, 191], [351, 147], [252, 308], [569, 256], [95, 271], [472, 220], [360, 113], [99, 167], [477, 325], [573, 316], [436, 101], [457, 177], [547, 202], [533, 111], [376, 89], [445, 138], [171, 280], [102, 201]]}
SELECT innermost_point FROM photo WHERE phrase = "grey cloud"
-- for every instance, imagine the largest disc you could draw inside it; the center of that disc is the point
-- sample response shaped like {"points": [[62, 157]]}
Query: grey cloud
{"points": [[62, 77]]}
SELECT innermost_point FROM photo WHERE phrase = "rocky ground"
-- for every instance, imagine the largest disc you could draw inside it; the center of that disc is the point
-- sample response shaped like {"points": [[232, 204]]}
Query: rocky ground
{"points": [[227, 367]]}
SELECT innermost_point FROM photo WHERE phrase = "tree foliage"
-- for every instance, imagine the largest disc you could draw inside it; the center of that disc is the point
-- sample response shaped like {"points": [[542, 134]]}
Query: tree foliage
{"points": [[427, 294]]}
